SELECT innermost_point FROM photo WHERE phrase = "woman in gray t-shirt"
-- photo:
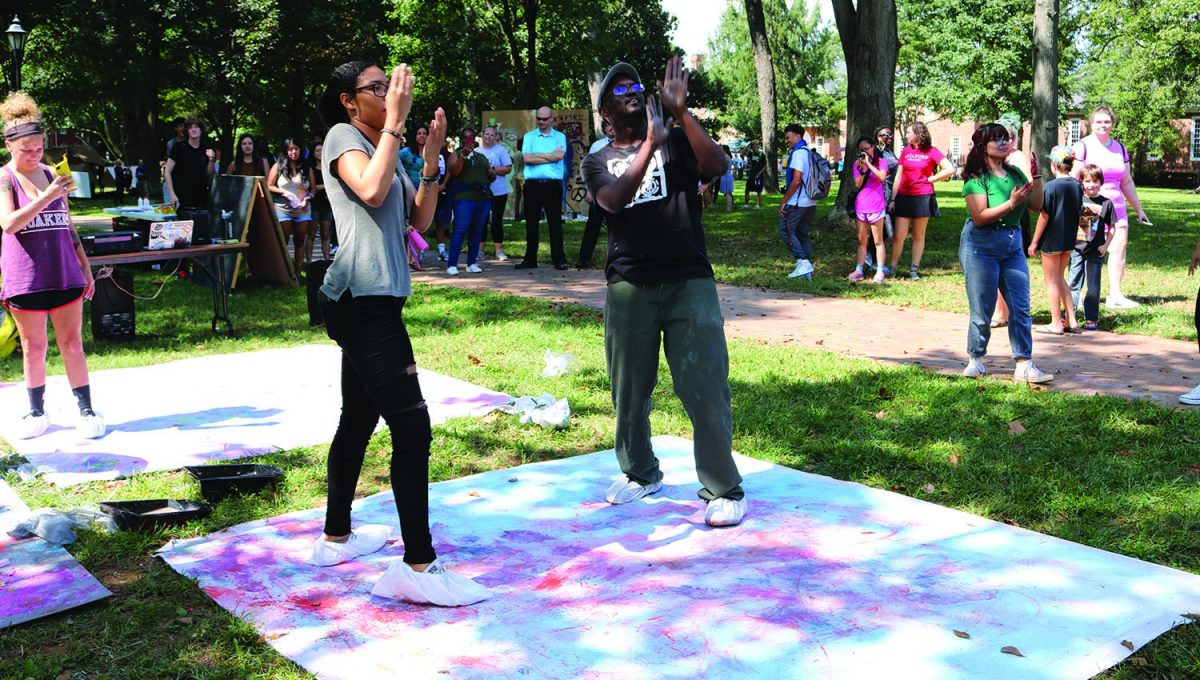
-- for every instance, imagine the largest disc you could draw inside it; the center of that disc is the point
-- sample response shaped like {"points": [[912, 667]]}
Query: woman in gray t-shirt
{"points": [[362, 300]]}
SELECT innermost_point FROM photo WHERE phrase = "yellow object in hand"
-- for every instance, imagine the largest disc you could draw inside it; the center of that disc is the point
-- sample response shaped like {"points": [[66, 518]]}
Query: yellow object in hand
{"points": [[62, 168]]}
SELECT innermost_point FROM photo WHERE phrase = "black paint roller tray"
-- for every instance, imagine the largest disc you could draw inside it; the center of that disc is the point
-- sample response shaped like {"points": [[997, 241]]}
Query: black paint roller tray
{"points": [[222, 481], [152, 514]]}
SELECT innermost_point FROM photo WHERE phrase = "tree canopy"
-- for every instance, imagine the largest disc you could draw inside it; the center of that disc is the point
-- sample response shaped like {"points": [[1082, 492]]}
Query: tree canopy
{"points": [[804, 51]]}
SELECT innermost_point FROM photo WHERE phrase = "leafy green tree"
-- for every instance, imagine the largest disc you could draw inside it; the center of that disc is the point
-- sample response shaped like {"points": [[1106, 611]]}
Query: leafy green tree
{"points": [[1141, 60], [804, 53], [971, 58], [474, 55]]}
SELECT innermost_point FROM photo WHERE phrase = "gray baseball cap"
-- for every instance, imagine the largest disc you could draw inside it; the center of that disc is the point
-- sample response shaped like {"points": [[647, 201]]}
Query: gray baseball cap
{"points": [[620, 69]]}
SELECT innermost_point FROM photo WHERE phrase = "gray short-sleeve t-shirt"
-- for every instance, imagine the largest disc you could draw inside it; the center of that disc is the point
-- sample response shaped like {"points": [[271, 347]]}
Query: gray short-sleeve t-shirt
{"points": [[371, 257]]}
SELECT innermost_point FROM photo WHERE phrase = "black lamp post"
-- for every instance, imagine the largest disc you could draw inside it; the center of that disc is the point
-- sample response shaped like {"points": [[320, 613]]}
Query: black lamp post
{"points": [[16, 40]]}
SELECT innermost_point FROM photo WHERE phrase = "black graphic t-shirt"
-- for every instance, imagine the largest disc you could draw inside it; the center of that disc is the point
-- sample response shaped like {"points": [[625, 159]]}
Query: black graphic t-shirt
{"points": [[658, 237]]}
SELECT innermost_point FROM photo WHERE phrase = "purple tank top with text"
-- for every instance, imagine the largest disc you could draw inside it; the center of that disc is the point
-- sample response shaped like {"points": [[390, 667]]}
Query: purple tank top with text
{"points": [[40, 256]]}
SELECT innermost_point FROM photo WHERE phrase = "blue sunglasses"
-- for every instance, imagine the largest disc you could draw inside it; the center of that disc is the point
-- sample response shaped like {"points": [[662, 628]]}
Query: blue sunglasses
{"points": [[625, 89]]}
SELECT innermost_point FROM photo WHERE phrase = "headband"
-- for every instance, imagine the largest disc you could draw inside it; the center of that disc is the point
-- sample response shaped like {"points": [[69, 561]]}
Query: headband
{"points": [[23, 130]]}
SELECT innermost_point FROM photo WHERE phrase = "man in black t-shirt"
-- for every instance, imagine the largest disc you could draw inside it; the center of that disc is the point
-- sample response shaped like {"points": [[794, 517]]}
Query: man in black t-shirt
{"points": [[757, 161], [660, 285], [189, 169]]}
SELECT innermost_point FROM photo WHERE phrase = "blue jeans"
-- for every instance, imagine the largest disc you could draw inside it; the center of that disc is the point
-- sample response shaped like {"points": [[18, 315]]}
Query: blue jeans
{"points": [[1086, 269], [469, 220], [793, 229], [992, 260]]}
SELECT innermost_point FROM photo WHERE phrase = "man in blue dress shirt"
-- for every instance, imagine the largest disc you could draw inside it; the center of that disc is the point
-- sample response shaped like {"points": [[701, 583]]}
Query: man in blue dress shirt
{"points": [[543, 149]]}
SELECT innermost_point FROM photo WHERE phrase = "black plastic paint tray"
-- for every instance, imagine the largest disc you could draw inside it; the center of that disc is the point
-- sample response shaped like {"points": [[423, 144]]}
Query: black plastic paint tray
{"points": [[221, 481], [152, 514]]}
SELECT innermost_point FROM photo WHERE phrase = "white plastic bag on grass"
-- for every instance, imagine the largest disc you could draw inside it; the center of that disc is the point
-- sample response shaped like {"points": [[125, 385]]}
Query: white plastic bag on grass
{"points": [[543, 410], [557, 364]]}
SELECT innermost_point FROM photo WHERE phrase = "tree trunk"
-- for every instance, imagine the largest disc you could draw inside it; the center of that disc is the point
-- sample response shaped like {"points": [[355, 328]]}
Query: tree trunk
{"points": [[764, 71], [531, 62], [1044, 126], [870, 44]]}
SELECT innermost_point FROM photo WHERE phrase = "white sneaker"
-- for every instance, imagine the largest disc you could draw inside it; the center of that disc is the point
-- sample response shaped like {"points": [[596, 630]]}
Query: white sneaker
{"points": [[975, 368], [365, 540], [1121, 302], [33, 426], [501, 256], [802, 267], [91, 426], [1191, 398], [452, 271], [1027, 372], [474, 269], [625, 490], [725, 512], [435, 585]]}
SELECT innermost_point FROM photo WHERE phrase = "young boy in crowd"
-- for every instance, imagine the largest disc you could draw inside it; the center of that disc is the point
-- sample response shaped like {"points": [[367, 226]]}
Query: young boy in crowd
{"points": [[1092, 241]]}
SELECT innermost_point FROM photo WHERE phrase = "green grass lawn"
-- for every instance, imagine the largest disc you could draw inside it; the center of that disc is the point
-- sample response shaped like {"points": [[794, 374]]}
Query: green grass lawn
{"points": [[746, 250], [1115, 474]]}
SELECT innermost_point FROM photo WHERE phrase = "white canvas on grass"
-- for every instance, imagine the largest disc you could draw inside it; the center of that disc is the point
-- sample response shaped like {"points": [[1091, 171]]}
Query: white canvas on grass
{"points": [[37, 578], [824, 579], [206, 409]]}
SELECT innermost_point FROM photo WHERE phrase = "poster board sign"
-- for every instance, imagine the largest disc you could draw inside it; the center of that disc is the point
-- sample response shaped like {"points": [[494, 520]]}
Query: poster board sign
{"points": [[511, 127], [243, 202]]}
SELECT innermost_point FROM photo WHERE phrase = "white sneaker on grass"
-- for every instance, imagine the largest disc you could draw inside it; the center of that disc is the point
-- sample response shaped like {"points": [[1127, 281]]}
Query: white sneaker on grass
{"points": [[975, 368], [725, 512], [625, 490], [91, 425], [367, 539], [435, 585], [474, 269], [1191, 398], [803, 267], [1027, 372], [1119, 301], [501, 256], [33, 425]]}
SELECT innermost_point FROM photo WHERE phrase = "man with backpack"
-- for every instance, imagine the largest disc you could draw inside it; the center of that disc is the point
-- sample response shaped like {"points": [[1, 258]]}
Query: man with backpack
{"points": [[799, 205]]}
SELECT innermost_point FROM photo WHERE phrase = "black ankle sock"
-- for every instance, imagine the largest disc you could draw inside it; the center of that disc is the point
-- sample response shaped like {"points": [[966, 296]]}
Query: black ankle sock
{"points": [[83, 394], [37, 399]]}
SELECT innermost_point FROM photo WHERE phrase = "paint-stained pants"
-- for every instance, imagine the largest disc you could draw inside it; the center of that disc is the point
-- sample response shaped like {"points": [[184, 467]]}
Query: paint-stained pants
{"points": [[686, 317]]}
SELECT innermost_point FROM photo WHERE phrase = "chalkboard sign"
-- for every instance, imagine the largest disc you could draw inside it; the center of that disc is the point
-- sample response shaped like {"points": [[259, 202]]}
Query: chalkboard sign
{"points": [[242, 202]]}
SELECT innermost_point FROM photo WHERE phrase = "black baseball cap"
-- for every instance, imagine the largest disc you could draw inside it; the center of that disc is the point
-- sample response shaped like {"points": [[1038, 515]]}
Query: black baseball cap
{"points": [[619, 69]]}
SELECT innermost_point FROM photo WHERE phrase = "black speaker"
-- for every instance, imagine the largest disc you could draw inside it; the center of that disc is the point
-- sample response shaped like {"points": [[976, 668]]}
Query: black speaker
{"points": [[112, 307]]}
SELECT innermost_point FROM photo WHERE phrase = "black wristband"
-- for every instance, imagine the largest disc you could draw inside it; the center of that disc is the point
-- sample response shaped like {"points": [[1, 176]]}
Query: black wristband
{"points": [[389, 131]]}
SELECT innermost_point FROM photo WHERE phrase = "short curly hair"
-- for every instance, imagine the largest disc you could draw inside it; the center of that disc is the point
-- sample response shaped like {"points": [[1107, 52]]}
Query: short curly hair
{"points": [[924, 141]]}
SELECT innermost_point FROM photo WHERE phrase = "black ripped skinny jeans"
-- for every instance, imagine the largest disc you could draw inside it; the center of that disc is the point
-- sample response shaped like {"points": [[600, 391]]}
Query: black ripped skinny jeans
{"points": [[379, 379]]}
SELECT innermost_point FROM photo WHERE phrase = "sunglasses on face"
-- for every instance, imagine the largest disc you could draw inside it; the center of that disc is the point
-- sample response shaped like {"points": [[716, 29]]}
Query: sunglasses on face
{"points": [[546, 118], [378, 89], [626, 89]]}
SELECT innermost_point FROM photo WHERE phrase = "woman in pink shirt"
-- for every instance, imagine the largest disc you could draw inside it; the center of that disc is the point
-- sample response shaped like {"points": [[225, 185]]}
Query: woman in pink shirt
{"points": [[913, 201], [1099, 148], [870, 172]]}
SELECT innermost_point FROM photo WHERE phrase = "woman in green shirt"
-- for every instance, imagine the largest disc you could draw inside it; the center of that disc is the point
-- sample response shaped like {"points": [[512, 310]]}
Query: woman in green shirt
{"points": [[991, 252]]}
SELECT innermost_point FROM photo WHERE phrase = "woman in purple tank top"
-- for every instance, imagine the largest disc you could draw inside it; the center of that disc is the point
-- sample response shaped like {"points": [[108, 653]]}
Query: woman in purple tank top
{"points": [[45, 271], [1099, 148]]}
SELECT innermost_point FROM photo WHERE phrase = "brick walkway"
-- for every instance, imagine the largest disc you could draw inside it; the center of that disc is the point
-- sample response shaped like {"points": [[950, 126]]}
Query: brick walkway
{"points": [[1130, 366]]}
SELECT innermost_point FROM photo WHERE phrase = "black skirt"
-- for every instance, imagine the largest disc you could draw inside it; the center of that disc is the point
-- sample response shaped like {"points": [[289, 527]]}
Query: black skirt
{"points": [[916, 206]]}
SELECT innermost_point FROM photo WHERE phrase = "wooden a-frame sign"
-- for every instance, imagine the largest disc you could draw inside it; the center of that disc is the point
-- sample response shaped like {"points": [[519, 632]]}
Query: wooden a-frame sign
{"points": [[252, 210]]}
